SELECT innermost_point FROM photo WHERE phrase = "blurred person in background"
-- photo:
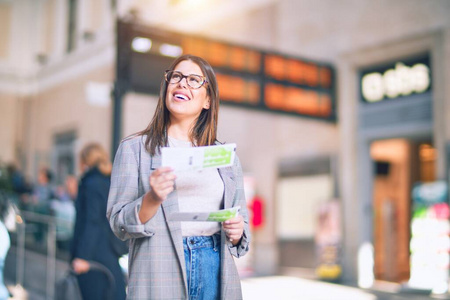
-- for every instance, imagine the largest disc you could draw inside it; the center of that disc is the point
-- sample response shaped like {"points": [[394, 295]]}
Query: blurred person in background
{"points": [[63, 208], [71, 187], [41, 196], [91, 238], [4, 244], [18, 181], [179, 260], [67, 192], [42, 192]]}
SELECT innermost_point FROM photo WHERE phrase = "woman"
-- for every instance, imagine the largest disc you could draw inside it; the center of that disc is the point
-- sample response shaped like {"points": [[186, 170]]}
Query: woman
{"points": [[91, 234], [178, 260]]}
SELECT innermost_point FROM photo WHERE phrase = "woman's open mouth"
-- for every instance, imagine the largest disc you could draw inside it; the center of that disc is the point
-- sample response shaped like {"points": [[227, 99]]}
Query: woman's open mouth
{"points": [[181, 97]]}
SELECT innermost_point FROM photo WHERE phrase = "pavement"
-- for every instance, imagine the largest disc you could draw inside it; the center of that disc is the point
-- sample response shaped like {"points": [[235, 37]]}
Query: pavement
{"points": [[290, 288], [254, 288]]}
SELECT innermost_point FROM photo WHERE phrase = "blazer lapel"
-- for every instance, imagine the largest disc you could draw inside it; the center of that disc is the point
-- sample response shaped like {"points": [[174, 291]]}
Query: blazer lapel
{"points": [[169, 206], [156, 162], [229, 186], [229, 191]]}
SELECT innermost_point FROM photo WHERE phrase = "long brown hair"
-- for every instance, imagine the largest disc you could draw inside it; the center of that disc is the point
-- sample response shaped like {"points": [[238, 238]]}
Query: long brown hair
{"points": [[93, 155], [204, 131]]}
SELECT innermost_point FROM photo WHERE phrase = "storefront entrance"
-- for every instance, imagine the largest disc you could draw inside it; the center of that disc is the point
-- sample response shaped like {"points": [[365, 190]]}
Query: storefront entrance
{"points": [[303, 187], [397, 165]]}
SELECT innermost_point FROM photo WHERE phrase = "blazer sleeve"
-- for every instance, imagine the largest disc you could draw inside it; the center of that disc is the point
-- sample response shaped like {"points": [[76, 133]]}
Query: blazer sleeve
{"points": [[239, 200], [124, 200]]}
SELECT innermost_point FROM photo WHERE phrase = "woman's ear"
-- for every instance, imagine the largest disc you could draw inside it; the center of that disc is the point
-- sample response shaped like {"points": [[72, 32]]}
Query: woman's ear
{"points": [[207, 104]]}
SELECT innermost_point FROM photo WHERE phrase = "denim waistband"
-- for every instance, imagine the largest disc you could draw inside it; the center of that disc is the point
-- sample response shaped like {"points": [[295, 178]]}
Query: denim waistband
{"points": [[195, 242]]}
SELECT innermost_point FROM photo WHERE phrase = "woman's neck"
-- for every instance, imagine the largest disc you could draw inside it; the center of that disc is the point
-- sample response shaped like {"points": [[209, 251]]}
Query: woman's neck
{"points": [[179, 130]]}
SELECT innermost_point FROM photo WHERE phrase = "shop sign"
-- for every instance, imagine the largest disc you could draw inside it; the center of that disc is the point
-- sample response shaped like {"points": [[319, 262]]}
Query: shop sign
{"points": [[400, 79]]}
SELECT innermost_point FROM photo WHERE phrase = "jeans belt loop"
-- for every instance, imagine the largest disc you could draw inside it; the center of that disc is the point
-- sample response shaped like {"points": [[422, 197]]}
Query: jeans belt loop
{"points": [[216, 240]]}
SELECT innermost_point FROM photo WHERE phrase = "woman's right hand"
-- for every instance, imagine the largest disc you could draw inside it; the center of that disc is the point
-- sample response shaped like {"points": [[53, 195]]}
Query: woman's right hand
{"points": [[162, 183]]}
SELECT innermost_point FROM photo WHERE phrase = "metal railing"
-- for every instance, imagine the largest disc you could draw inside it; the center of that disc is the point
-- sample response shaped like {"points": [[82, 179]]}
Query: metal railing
{"points": [[28, 219]]}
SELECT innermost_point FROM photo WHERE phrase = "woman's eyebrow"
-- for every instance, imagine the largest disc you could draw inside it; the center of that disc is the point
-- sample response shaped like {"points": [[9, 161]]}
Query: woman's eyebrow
{"points": [[189, 74]]}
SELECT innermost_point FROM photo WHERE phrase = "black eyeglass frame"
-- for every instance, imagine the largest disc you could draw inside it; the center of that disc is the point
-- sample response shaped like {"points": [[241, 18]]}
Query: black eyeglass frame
{"points": [[167, 72]]}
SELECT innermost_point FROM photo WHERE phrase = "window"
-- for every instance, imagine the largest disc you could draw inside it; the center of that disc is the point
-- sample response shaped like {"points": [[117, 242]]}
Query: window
{"points": [[64, 155], [72, 25]]}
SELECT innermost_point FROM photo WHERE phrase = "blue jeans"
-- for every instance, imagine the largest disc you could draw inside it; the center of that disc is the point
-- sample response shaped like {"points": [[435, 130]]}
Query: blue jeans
{"points": [[202, 256]]}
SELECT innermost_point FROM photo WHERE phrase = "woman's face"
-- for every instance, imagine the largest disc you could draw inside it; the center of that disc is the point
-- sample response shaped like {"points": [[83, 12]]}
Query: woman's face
{"points": [[42, 177], [182, 101]]}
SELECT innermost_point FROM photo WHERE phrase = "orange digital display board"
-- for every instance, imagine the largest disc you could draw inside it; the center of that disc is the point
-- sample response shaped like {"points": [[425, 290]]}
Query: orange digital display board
{"points": [[297, 71], [221, 55], [265, 80], [297, 100], [246, 76], [238, 90]]}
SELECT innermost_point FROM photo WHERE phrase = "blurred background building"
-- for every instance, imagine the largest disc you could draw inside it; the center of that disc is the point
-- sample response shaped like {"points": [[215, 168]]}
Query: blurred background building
{"points": [[338, 108]]}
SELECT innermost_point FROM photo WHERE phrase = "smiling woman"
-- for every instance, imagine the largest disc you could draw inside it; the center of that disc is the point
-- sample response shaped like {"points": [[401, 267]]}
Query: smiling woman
{"points": [[185, 99], [172, 259], [203, 105]]}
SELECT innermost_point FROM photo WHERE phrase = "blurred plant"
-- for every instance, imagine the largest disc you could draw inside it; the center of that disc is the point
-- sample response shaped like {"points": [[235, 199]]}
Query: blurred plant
{"points": [[5, 179]]}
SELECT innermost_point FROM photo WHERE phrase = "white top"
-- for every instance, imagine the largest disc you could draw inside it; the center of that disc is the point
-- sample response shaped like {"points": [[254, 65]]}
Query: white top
{"points": [[4, 246], [198, 191], [5, 243]]}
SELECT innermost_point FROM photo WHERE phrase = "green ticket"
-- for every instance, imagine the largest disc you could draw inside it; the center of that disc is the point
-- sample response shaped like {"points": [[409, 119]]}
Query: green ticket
{"points": [[215, 216], [224, 214], [198, 158], [217, 156]]}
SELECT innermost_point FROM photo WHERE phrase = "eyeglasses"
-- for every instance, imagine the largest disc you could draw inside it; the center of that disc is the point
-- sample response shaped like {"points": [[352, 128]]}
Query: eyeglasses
{"points": [[193, 80]]}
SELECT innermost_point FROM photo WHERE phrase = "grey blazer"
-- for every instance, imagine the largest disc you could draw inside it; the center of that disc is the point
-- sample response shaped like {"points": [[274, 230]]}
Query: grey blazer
{"points": [[156, 258]]}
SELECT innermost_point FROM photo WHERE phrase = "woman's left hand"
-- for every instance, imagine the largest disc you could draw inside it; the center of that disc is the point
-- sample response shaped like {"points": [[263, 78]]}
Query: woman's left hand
{"points": [[234, 229]]}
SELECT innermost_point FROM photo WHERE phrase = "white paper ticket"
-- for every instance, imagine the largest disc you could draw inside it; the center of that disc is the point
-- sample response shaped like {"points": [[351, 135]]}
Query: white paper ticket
{"points": [[198, 158], [215, 216]]}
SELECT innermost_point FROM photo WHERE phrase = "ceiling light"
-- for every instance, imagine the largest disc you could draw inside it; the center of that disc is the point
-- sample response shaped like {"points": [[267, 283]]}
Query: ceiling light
{"points": [[170, 50], [142, 45]]}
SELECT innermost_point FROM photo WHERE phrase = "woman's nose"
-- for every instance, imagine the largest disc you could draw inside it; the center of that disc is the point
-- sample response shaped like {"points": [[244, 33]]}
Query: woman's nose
{"points": [[183, 82]]}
